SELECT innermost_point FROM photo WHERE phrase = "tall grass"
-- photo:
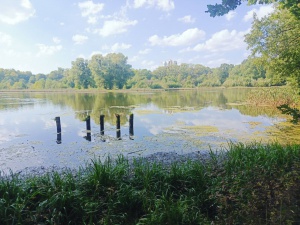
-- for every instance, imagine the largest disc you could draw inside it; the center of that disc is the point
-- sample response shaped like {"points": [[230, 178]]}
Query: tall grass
{"points": [[274, 97], [246, 184]]}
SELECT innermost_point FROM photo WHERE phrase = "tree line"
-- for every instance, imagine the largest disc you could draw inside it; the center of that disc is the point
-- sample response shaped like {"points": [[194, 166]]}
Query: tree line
{"points": [[113, 72]]}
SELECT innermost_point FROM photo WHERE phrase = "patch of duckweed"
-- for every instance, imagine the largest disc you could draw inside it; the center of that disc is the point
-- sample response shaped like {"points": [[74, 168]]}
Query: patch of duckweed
{"points": [[201, 130], [178, 109], [147, 111], [254, 124], [123, 107], [284, 133]]}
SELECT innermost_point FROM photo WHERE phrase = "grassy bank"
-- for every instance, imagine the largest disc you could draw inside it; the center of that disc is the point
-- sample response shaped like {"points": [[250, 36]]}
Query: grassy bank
{"points": [[251, 184]]}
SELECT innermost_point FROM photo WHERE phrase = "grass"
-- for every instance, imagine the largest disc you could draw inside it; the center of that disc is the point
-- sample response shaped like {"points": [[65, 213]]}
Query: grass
{"points": [[246, 184], [273, 97]]}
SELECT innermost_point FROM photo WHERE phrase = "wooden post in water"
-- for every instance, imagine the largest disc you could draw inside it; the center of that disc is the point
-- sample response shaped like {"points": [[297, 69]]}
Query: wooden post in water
{"points": [[58, 130], [118, 127], [58, 126], [102, 125], [88, 128], [131, 133], [88, 123]]}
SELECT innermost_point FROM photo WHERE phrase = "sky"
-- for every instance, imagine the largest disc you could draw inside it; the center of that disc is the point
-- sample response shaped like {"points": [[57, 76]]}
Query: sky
{"points": [[43, 35]]}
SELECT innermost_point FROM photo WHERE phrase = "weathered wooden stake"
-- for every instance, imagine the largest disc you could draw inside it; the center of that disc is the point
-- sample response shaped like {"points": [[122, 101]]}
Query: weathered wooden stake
{"points": [[102, 125], [118, 126], [88, 128], [58, 126], [88, 123], [131, 133]]}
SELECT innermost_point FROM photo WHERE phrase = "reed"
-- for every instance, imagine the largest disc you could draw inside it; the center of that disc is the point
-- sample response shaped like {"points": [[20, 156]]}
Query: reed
{"points": [[244, 184], [274, 97]]}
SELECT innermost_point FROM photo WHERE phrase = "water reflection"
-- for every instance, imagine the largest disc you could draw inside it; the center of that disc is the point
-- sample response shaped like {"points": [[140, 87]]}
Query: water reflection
{"points": [[98, 124], [58, 138]]}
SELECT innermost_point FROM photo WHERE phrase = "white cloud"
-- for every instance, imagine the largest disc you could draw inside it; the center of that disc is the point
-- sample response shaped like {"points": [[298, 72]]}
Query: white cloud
{"points": [[90, 10], [261, 12], [165, 5], [145, 51], [120, 46], [112, 27], [15, 11], [48, 49], [217, 62], [56, 40], [229, 16], [133, 59], [5, 39], [147, 63], [222, 41], [188, 37], [187, 19], [26, 4], [79, 39]]}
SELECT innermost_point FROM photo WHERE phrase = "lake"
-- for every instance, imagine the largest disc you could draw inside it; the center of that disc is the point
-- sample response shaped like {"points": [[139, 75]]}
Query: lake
{"points": [[178, 121]]}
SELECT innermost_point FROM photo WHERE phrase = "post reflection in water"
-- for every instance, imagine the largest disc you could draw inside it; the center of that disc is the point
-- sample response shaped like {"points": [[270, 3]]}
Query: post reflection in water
{"points": [[118, 127], [131, 133], [102, 125], [58, 138], [102, 128]]}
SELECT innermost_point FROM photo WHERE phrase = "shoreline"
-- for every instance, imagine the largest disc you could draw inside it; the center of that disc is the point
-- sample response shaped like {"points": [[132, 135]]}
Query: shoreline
{"points": [[164, 158], [120, 90]]}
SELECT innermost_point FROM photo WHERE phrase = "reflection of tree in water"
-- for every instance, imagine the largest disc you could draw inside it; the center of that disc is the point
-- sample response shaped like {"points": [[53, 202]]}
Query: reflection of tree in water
{"points": [[221, 101], [109, 104], [17, 100], [258, 111]]}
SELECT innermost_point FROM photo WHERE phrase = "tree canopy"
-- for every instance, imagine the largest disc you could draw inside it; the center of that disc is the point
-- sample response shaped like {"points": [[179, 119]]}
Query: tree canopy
{"points": [[275, 40], [227, 5]]}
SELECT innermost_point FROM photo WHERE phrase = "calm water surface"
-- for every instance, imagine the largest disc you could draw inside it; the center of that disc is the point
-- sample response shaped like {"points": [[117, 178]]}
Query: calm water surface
{"points": [[180, 121]]}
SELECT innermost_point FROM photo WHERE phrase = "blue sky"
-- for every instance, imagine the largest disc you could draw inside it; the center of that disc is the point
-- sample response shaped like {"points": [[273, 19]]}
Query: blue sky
{"points": [[42, 35]]}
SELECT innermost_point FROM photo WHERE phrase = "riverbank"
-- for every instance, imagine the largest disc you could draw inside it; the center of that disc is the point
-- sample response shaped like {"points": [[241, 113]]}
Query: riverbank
{"points": [[248, 184], [134, 90]]}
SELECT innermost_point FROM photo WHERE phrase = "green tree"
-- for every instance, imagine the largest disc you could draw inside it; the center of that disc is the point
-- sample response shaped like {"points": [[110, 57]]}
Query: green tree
{"points": [[141, 79], [116, 71], [81, 74], [276, 41], [39, 84], [97, 67], [223, 71], [249, 73], [56, 74], [21, 84]]}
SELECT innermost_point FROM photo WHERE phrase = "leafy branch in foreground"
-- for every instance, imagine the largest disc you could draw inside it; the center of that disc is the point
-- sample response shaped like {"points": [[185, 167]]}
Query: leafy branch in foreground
{"points": [[294, 112], [227, 5]]}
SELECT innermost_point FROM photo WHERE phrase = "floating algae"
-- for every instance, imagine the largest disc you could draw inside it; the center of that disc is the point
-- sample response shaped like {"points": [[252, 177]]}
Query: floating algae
{"points": [[254, 124], [202, 129], [146, 112], [284, 133]]}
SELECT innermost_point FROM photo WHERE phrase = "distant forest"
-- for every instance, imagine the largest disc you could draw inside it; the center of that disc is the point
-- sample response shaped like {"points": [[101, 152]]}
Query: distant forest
{"points": [[113, 72]]}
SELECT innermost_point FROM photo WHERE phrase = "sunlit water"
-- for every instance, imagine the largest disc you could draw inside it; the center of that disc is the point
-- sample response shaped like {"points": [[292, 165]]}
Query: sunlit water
{"points": [[180, 121]]}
